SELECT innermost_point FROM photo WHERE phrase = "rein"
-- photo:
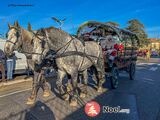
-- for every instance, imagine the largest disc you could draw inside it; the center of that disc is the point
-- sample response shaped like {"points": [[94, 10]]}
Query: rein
{"points": [[69, 53], [65, 54], [65, 45]]}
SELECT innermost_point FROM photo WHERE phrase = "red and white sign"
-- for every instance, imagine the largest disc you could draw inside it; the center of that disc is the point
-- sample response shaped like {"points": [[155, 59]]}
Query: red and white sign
{"points": [[92, 109]]}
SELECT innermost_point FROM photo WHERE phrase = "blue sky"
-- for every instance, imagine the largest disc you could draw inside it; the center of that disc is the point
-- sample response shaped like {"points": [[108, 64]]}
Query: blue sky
{"points": [[79, 11]]}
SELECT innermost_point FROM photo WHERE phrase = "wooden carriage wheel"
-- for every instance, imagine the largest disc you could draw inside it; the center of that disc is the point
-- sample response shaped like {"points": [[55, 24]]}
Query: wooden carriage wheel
{"points": [[114, 77], [132, 70]]}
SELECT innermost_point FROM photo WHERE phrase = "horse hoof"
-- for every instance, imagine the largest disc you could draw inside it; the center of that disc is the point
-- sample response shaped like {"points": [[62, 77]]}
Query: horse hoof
{"points": [[65, 97], [46, 94], [73, 103], [82, 95], [30, 101], [100, 90], [105, 90]]}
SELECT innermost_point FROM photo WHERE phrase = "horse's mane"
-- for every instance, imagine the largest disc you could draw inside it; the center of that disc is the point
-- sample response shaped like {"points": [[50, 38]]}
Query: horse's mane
{"points": [[27, 36], [52, 29]]}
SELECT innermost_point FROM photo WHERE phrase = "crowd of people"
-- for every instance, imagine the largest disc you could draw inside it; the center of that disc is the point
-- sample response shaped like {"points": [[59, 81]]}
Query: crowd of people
{"points": [[6, 66], [145, 54]]}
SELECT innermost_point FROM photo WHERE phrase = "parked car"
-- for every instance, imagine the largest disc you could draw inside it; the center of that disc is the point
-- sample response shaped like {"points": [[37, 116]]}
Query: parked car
{"points": [[20, 64], [154, 54]]}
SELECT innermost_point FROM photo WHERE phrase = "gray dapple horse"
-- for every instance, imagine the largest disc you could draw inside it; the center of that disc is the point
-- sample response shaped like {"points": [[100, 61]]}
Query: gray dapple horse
{"points": [[21, 40], [72, 57]]}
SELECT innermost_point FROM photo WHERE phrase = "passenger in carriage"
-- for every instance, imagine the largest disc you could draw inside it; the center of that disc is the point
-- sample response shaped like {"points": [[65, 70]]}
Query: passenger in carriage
{"points": [[87, 37], [95, 35], [118, 44], [109, 42], [108, 47]]}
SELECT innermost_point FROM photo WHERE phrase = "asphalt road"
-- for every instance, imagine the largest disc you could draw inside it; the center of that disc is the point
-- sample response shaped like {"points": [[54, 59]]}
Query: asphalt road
{"points": [[139, 96]]}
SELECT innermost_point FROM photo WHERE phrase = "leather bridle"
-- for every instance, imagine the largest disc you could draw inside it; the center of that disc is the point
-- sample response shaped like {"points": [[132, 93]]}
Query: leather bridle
{"points": [[18, 32]]}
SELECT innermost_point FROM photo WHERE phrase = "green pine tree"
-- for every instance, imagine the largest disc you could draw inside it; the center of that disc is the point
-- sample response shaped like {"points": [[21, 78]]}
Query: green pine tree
{"points": [[137, 27]]}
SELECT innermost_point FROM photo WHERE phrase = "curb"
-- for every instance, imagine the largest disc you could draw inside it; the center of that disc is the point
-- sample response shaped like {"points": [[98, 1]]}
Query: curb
{"points": [[12, 93], [11, 82]]}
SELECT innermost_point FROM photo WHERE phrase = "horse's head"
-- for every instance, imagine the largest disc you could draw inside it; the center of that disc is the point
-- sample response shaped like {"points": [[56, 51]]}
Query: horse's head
{"points": [[13, 39], [40, 46]]}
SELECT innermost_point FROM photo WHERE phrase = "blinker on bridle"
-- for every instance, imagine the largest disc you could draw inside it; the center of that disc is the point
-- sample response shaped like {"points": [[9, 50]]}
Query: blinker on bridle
{"points": [[43, 42]]}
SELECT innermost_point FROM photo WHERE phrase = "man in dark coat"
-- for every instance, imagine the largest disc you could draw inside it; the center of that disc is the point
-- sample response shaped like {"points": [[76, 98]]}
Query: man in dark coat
{"points": [[2, 65]]}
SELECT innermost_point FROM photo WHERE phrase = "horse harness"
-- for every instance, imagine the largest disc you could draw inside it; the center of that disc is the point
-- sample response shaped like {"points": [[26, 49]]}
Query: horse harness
{"points": [[55, 55]]}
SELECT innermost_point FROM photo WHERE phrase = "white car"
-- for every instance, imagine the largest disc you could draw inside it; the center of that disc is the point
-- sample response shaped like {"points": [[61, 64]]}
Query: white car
{"points": [[21, 63]]}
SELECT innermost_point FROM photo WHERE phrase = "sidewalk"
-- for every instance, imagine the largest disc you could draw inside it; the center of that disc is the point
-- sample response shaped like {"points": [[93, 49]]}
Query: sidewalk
{"points": [[152, 60], [17, 79], [18, 84], [24, 78]]}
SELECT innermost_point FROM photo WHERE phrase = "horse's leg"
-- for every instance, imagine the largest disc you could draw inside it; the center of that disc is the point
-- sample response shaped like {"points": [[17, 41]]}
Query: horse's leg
{"points": [[84, 87], [69, 88], [101, 74], [94, 75], [101, 80], [74, 77], [35, 87], [59, 84], [45, 87]]}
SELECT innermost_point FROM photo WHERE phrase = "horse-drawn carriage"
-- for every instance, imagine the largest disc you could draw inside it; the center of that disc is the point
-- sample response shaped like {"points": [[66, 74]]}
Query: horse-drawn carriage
{"points": [[119, 47], [73, 55]]}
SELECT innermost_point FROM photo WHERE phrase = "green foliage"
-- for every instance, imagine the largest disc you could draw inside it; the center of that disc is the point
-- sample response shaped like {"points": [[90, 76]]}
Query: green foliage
{"points": [[113, 23], [137, 27]]}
